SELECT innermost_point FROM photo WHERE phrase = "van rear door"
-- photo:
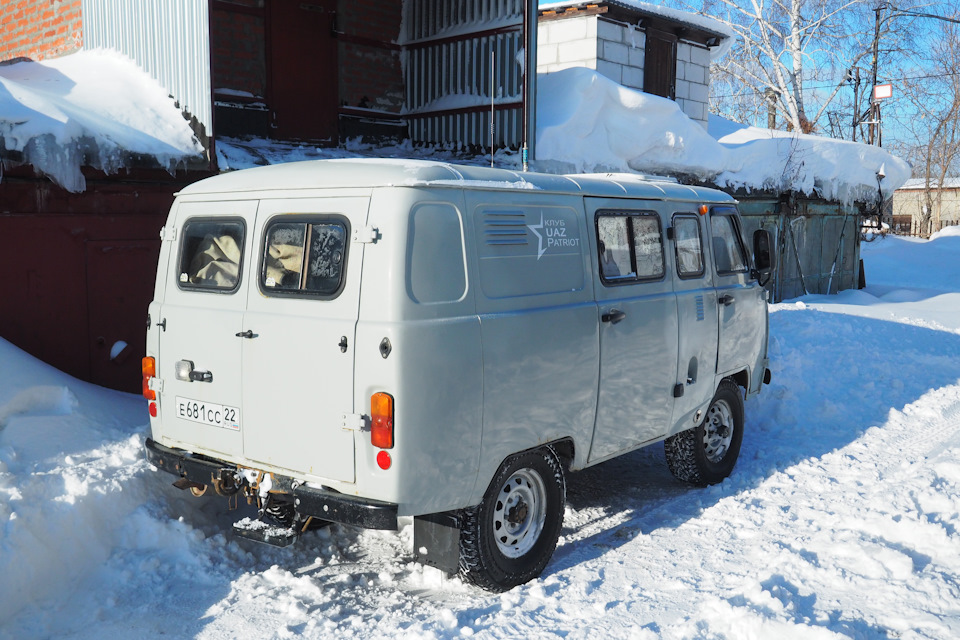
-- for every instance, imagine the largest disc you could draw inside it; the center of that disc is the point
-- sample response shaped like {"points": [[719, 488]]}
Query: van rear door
{"points": [[299, 336], [202, 311]]}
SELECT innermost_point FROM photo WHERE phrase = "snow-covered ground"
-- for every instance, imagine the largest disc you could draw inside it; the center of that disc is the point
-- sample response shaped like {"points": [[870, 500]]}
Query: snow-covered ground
{"points": [[839, 521]]}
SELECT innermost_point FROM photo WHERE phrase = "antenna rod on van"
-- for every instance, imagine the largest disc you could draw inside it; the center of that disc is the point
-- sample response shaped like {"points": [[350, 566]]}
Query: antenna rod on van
{"points": [[493, 84]]}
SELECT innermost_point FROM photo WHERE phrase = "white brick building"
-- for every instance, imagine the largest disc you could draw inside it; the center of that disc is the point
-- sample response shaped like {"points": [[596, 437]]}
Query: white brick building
{"points": [[663, 52]]}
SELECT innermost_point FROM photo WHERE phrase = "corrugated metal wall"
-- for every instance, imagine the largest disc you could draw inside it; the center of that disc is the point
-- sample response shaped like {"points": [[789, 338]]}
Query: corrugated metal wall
{"points": [[818, 244], [169, 39], [447, 70]]}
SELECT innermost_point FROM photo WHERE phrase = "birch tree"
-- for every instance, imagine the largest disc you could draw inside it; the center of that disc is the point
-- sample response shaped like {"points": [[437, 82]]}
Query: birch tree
{"points": [[794, 54], [933, 104]]}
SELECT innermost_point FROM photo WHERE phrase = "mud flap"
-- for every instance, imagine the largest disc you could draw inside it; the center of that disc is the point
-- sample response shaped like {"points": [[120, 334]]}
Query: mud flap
{"points": [[260, 531], [436, 541]]}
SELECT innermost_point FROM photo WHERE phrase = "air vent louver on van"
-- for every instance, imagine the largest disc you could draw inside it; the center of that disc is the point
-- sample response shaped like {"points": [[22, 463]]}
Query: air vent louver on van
{"points": [[699, 300], [505, 227]]}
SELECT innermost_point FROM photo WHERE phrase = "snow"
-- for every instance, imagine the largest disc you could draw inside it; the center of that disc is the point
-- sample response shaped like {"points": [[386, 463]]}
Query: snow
{"points": [[90, 108], [587, 122], [841, 519], [698, 20]]}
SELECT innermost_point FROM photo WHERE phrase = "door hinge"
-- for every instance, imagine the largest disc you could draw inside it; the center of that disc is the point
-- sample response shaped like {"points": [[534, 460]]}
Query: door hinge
{"points": [[168, 234], [366, 234], [155, 384], [353, 421]]}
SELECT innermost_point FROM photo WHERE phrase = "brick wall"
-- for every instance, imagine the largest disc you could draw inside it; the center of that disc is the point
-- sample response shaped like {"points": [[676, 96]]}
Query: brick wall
{"points": [[616, 51], [370, 73], [39, 29], [237, 48]]}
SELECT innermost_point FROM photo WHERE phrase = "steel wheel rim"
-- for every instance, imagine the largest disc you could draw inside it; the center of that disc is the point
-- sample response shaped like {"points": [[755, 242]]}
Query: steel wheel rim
{"points": [[717, 431], [519, 513]]}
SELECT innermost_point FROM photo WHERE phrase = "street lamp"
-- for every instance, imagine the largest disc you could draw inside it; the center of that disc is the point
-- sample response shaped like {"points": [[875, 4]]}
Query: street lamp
{"points": [[874, 121]]}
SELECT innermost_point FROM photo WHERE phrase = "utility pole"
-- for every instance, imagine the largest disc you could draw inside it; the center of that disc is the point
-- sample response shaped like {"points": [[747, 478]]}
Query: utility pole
{"points": [[874, 136]]}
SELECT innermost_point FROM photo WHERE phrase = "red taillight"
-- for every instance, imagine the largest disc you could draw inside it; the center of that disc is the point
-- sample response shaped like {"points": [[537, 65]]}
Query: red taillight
{"points": [[149, 367], [153, 409], [381, 420], [383, 460]]}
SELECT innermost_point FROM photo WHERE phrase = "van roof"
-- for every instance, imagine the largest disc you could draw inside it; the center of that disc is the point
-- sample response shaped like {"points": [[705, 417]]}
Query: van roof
{"points": [[386, 172]]}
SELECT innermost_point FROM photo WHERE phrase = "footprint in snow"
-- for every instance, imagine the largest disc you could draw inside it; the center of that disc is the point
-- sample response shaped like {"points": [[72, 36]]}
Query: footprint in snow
{"points": [[50, 401]]}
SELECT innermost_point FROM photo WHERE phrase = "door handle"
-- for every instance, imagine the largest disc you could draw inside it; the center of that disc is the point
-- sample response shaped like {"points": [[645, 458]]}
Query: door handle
{"points": [[726, 300], [613, 316], [201, 376], [247, 334]]}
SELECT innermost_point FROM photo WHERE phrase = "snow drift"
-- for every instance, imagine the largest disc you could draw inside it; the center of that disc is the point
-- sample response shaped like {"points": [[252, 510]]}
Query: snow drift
{"points": [[587, 122]]}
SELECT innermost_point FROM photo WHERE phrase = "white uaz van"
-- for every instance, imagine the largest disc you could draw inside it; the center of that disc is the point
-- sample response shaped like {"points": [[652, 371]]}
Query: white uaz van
{"points": [[356, 340]]}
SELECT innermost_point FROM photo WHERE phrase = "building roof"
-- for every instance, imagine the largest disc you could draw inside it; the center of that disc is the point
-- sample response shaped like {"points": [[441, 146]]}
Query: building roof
{"points": [[92, 108], [703, 27], [919, 183]]}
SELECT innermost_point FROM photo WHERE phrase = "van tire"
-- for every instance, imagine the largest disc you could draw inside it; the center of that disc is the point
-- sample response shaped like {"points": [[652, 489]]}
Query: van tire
{"points": [[528, 492], [707, 453]]}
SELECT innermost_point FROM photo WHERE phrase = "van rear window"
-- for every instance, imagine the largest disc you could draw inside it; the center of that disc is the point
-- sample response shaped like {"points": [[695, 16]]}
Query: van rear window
{"points": [[304, 257], [211, 254]]}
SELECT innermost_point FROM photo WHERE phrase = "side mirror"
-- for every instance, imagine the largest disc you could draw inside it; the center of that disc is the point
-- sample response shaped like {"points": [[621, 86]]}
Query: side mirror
{"points": [[762, 259]]}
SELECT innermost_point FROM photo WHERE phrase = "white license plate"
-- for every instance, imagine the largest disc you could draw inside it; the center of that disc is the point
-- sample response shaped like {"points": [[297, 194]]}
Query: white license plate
{"points": [[215, 415]]}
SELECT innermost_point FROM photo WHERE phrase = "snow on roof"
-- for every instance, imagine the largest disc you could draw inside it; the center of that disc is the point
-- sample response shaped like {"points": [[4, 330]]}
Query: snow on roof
{"points": [[586, 122], [920, 183], [92, 108], [726, 35]]}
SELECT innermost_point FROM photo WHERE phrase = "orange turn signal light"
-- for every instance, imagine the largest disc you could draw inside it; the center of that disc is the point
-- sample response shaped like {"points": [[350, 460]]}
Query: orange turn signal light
{"points": [[381, 420], [149, 368]]}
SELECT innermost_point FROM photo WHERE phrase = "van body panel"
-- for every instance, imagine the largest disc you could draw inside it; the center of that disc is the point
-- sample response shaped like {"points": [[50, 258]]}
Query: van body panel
{"points": [[438, 421], [538, 324], [424, 307], [200, 326]]}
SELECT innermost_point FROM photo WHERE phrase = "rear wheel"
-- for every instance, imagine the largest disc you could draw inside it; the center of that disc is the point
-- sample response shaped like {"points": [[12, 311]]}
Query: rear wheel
{"points": [[707, 453], [508, 538]]}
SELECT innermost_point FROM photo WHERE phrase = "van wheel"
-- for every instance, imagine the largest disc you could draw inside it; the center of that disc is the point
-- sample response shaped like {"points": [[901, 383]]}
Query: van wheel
{"points": [[508, 538], [707, 453]]}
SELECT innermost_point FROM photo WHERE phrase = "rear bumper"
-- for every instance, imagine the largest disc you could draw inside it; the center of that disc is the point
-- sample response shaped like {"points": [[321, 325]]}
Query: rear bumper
{"points": [[319, 503]]}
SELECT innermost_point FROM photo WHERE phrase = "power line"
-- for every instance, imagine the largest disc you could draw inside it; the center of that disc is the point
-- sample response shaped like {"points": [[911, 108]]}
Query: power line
{"points": [[807, 88]]}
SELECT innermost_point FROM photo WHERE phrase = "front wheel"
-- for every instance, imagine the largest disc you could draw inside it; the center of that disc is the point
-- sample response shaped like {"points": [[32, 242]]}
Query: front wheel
{"points": [[508, 538], [707, 453]]}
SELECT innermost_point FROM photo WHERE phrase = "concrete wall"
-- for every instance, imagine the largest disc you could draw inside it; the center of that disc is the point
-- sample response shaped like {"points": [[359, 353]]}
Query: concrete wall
{"points": [[910, 202], [617, 51], [39, 29]]}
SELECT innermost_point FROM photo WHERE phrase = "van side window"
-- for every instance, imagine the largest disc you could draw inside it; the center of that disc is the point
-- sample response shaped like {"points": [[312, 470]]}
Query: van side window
{"points": [[211, 253], [688, 245], [728, 254], [630, 247], [303, 257]]}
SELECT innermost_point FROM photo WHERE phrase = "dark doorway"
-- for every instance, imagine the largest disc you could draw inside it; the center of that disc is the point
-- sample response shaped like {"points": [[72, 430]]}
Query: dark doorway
{"points": [[120, 282], [302, 69], [660, 64]]}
